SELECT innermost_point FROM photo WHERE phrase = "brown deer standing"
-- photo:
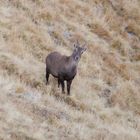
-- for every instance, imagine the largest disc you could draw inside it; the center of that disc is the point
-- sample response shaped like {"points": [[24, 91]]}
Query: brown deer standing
{"points": [[64, 67]]}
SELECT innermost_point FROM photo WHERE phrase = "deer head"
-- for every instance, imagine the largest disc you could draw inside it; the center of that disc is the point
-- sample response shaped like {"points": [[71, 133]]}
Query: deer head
{"points": [[78, 51]]}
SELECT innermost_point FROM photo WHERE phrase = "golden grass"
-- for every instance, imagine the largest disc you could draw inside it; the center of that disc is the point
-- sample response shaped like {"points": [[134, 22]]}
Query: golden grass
{"points": [[104, 101]]}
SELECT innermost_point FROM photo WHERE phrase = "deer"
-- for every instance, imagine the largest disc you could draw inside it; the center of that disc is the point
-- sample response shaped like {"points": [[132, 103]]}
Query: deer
{"points": [[63, 67]]}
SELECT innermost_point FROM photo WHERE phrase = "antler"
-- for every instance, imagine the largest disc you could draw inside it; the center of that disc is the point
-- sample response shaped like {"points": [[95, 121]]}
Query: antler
{"points": [[78, 42]]}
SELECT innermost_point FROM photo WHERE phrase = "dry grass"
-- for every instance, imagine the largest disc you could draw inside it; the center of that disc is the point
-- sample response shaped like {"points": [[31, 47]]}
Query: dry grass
{"points": [[105, 100]]}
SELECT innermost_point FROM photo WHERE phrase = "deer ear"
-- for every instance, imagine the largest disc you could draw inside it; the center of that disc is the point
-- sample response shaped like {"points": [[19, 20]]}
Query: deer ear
{"points": [[84, 49], [75, 46]]}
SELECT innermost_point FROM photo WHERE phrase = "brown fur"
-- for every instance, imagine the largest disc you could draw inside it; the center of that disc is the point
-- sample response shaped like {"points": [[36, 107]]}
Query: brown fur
{"points": [[63, 67]]}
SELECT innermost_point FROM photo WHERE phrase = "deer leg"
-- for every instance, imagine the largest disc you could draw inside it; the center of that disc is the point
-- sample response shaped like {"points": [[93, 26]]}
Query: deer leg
{"points": [[58, 82], [68, 86], [62, 85], [47, 76]]}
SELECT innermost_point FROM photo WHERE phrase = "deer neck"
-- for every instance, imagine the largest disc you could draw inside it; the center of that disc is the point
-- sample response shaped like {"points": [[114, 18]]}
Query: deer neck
{"points": [[72, 60]]}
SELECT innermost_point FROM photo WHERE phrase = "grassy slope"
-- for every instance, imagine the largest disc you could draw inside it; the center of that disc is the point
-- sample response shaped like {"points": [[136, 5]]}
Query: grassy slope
{"points": [[105, 104]]}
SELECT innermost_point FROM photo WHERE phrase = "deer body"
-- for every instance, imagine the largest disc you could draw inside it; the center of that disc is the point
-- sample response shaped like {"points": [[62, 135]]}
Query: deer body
{"points": [[63, 67], [60, 65]]}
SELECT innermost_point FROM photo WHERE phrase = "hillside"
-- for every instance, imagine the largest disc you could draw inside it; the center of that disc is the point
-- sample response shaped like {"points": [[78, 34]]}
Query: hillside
{"points": [[105, 94]]}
